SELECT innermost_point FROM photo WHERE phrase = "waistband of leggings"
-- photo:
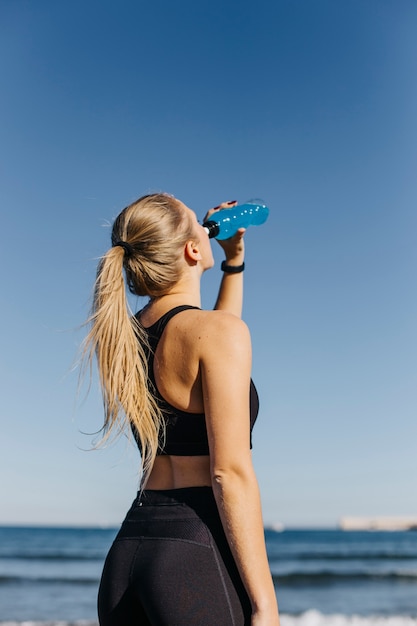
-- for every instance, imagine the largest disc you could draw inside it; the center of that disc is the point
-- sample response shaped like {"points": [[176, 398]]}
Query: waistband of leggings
{"points": [[191, 496]]}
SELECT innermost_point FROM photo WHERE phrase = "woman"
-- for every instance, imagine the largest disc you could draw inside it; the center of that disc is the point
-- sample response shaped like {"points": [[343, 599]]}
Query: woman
{"points": [[191, 551]]}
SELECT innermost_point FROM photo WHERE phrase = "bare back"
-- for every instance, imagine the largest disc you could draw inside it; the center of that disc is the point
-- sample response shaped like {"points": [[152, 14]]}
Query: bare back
{"points": [[178, 379]]}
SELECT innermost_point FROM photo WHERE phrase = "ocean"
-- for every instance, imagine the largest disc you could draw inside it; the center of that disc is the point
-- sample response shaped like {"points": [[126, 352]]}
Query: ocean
{"points": [[50, 576]]}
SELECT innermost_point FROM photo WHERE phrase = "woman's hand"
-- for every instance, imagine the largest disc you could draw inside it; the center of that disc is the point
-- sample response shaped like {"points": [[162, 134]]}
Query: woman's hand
{"points": [[234, 248]]}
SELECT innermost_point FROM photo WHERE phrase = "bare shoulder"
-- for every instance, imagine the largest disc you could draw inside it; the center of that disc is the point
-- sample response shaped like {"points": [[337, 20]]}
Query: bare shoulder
{"points": [[217, 330]]}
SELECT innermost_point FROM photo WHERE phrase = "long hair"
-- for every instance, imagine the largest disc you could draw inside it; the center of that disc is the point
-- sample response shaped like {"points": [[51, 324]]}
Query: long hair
{"points": [[156, 229]]}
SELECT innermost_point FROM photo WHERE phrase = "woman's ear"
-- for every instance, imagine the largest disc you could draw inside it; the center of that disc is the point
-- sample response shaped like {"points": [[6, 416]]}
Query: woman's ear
{"points": [[192, 252]]}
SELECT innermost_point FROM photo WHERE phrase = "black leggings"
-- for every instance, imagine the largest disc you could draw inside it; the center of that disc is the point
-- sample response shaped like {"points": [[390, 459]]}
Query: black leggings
{"points": [[170, 565]]}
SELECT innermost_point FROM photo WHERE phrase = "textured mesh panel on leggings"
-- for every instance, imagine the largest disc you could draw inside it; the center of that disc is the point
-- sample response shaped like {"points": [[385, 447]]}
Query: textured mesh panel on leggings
{"points": [[187, 529]]}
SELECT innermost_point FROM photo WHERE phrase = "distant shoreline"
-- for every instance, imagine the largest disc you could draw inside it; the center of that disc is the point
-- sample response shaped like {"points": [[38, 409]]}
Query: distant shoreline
{"points": [[346, 525], [379, 523]]}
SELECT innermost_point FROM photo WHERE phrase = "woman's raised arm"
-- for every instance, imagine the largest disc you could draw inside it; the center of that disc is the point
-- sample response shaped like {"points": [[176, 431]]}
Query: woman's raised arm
{"points": [[230, 296]]}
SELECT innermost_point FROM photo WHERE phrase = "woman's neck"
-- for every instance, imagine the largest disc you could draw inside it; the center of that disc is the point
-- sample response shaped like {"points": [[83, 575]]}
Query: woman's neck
{"points": [[158, 306]]}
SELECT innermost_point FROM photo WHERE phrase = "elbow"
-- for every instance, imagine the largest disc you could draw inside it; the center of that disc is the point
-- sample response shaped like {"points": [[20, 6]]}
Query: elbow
{"points": [[231, 475]]}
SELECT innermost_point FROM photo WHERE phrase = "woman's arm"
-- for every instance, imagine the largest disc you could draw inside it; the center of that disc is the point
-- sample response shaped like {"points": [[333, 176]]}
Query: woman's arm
{"points": [[230, 296], [226, 379]]}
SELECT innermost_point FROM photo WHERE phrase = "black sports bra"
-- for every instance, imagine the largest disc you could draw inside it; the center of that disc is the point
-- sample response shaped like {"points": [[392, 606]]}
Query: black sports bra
{"points": [[185, 433]]}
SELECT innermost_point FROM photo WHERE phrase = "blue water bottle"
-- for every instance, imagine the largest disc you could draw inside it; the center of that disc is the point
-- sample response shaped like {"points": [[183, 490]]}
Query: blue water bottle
{"points": [[225, 223]]}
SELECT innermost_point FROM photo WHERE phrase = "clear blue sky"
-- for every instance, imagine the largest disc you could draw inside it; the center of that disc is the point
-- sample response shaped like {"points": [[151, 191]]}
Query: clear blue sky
{"points": [[310, 105]]}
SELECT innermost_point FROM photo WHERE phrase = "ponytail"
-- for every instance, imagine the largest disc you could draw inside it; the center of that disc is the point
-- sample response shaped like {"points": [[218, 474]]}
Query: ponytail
{"points": [[119, 343]]}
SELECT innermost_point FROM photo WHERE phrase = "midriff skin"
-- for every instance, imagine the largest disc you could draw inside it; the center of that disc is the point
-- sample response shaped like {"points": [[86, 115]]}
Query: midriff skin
{"points": [[176, 472]]}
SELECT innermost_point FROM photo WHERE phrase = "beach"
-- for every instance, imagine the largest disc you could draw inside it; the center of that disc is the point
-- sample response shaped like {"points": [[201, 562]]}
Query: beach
{"points": [[50, 576]]}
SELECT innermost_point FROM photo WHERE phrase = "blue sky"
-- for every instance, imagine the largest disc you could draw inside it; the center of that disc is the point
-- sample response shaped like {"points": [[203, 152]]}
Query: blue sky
{"points": [[307, 104]]}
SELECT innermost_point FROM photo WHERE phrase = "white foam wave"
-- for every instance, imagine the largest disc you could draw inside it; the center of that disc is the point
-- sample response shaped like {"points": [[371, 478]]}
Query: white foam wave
{"points": [[56, 623], [315, 618], [310, 618]]}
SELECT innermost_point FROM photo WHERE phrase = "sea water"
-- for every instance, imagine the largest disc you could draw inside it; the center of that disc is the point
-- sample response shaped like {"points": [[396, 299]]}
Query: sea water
{"points": [[50, 576]]}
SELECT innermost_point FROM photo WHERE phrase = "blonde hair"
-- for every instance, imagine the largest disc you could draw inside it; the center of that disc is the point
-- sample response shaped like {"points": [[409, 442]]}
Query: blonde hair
{"points": [[156, 229]]}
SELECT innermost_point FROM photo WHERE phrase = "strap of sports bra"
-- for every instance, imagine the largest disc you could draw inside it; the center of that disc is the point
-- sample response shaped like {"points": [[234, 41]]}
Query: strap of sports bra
{"points": [[159, 326]]}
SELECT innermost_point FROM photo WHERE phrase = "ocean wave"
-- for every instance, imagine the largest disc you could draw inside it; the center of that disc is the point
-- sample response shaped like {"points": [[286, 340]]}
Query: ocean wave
{"points": [[310, 618], [60, 623], [50, 580], [291, 578], [275, 555], [354, 555], [53, 556], [314, 618], [324, 576]]}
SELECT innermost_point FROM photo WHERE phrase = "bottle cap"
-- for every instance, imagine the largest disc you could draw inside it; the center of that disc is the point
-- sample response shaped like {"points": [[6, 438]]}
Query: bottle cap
{"points": [[211, 228]]}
